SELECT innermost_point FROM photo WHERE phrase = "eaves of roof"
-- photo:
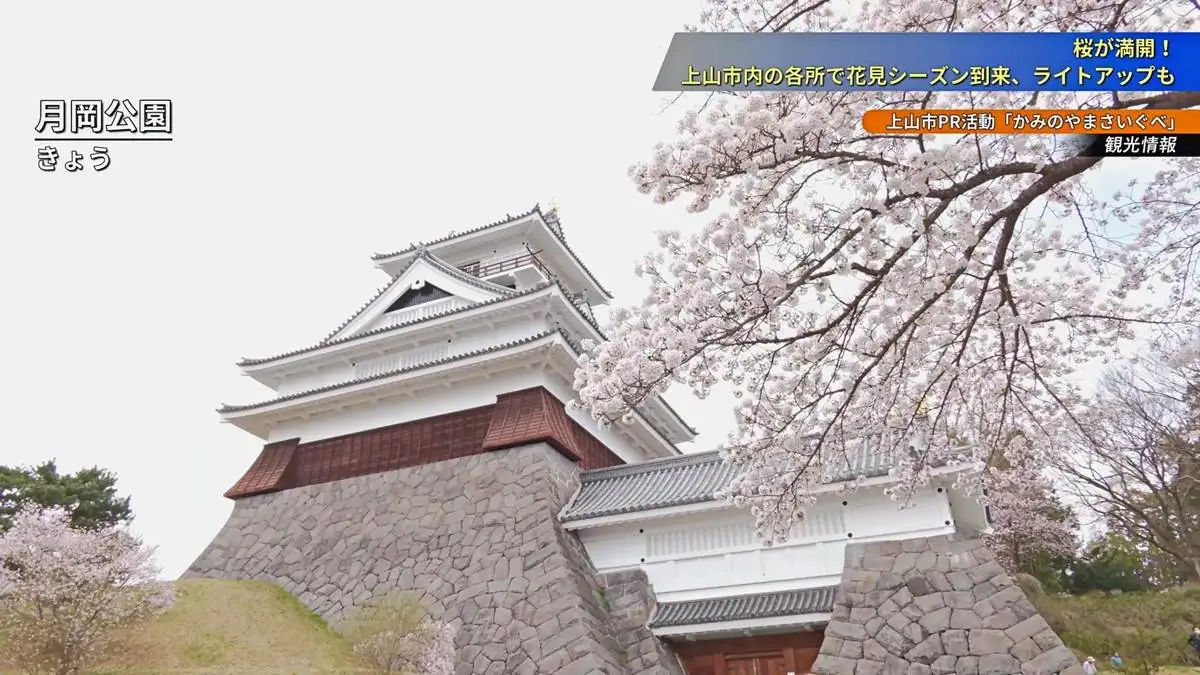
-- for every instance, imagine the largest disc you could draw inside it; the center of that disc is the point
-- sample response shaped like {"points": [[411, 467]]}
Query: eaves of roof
{"points": [[744, 607], [575, 346], [407, 324], [504, 221], [226, 409]]}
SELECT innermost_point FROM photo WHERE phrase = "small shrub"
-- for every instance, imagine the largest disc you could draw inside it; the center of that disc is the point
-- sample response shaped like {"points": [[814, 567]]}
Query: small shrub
{"points": [[394, 635], [1031, 586], [602, 595], [1148, 650]]}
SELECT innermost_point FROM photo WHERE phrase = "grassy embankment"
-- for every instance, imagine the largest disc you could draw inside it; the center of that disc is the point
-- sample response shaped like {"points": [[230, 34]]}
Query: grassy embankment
{"points": [[1132, 624], [231, 628]]}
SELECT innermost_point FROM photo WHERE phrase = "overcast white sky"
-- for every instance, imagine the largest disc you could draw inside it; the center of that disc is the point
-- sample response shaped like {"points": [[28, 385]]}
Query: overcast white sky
{"points": [[309, 136]]}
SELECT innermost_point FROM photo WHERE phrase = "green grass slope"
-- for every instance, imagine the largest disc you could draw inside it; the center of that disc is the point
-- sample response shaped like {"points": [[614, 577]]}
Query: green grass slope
{"points": [[227, 628], [1136, 625]]}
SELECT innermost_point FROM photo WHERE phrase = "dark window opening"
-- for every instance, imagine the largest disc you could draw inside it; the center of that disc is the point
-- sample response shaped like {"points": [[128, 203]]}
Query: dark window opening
{"points": [[418, 296]]}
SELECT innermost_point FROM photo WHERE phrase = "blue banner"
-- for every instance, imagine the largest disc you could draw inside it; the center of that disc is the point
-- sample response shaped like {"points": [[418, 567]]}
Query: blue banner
{"points": [[932, 61]]}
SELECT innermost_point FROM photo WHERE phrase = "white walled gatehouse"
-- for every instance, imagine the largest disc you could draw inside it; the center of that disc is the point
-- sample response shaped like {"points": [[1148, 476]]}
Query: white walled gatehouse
{"points": [[425, 446], [700, 554]]}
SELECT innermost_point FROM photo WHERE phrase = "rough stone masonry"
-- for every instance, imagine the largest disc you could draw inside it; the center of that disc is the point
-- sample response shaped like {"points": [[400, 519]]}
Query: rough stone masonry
{"points": [[938, 605], [476, 540]]}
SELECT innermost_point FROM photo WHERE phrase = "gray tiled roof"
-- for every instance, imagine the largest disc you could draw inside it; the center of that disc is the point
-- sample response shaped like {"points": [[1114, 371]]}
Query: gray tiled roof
{"points": [[387, 329], [656, 484], [679, 481], [742, 607]]}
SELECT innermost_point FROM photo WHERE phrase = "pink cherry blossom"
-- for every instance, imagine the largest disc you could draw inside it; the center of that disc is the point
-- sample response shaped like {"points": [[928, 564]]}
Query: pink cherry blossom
{"points": [[427, 649], [847, 283], [438, 658], [63, 591], [1025, 517]]}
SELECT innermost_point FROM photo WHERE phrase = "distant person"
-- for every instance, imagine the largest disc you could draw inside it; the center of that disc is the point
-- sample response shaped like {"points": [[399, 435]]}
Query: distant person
{"points": [[1117, 662], [1089, 666], [1194, 640]]}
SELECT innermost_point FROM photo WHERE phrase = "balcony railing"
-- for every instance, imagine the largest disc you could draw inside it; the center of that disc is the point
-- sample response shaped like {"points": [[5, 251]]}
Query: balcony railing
{"points": [[491, 269]]}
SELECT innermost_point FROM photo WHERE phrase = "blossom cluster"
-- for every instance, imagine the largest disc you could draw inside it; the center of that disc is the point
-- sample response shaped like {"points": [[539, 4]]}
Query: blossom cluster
{"points": [[428, 649]]}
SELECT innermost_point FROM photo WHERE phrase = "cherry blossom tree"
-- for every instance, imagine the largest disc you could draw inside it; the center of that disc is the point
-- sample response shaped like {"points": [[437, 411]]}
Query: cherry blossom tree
{"points": [[393, 634], [847, 282], [1027, 518], [1136, 456], [427, 649], [63, 590]]}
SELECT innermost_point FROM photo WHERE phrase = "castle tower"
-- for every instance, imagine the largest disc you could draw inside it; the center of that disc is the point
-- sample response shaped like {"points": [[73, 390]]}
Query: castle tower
{"points": [[424, 446], [470, 347]]}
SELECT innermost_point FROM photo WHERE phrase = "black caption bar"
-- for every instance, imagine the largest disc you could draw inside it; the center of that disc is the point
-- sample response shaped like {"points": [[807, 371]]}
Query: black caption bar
{"points": [[1141, 145]]}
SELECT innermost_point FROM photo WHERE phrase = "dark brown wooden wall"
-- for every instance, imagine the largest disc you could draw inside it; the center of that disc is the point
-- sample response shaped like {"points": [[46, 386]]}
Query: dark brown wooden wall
{"points": [[517, 418]]}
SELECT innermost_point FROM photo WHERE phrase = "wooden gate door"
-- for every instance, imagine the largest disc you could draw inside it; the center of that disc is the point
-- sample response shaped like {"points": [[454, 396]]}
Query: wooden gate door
{"points": [[761, 655], [756, 664], [741, 665]]}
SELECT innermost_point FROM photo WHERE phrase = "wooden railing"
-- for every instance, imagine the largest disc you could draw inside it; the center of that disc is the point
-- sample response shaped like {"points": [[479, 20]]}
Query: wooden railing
{"points": [[491, 269]]}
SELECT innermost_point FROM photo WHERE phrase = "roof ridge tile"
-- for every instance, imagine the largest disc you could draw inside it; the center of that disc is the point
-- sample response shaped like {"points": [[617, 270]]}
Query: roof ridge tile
{"points": [[661, 464], [418, 245]]}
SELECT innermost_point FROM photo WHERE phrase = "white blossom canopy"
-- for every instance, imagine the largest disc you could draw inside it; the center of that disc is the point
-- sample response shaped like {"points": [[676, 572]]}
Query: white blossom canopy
{"points": [[850, 283]]}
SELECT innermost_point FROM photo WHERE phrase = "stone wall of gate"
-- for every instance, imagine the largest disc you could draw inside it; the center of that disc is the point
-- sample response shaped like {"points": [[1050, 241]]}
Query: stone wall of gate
{"points": [[630, 601], [939, 605], [475, 539]]}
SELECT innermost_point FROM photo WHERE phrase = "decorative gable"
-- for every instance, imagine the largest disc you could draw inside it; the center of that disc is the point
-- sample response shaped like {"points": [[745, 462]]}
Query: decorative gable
{"points": [[427, 287], [418, 296]]}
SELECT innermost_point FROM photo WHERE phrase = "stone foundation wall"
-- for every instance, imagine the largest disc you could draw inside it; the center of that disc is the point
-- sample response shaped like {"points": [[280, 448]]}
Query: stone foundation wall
{"points": [[630, 601], [476, 540], [939, 605]]}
